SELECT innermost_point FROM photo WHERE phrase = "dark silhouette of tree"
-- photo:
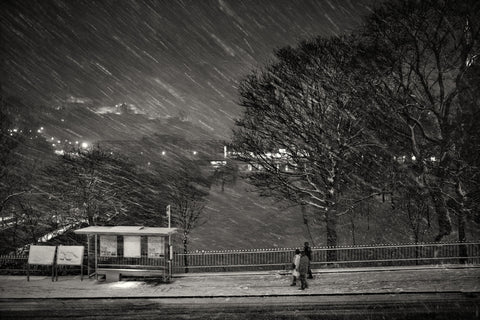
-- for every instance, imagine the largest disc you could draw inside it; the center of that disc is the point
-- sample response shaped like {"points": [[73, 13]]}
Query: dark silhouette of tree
{"points": [[423, 58], [91, 185], [23, 153], [303, 130], [226, 174], [187, 188]]}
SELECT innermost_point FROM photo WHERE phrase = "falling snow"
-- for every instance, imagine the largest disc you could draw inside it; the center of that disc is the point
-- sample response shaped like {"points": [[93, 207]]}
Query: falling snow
{"points": [[160, 57]]}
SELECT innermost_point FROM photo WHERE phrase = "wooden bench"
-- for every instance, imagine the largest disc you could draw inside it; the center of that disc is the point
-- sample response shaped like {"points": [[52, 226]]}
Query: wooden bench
{"points": [[115, 272]]}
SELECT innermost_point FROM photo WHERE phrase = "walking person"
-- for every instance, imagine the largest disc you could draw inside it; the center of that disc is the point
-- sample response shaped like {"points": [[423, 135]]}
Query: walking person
{"points": [[303, 270], [295, 265], [308, 253]]}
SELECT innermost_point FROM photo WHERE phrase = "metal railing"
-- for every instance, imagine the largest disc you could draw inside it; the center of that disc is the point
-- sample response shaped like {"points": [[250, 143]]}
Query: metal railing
{"points": [[281, 259], [343, 257]]}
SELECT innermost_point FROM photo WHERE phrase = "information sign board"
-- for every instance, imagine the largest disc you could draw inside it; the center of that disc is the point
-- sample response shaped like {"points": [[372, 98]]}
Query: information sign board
{"points": [[108, 246], [156, 247], [70, 255], [131, 247], [43, 255]]}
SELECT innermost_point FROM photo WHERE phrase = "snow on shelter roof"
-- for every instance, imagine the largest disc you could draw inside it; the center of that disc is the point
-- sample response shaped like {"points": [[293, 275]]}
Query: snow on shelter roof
{"points": [[127, 230]]}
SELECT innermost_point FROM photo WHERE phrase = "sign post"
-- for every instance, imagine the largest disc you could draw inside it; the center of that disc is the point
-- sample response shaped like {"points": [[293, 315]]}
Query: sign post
{"points": [[170, 253]]}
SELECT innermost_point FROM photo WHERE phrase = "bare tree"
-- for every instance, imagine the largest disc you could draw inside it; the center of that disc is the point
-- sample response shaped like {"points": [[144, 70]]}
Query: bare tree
{"points": [[90, 184], [187, 191], [421, 54], [23, 153], [303, 132], [226, 174]]}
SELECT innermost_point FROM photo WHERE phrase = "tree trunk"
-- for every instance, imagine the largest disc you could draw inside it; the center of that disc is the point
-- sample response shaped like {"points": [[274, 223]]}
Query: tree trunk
{"points": [[352, 223], [462, 237], [443, 215], [305, 221], [331, 213], [91, 221], [185, 251], [461, 217], [331, 221]]}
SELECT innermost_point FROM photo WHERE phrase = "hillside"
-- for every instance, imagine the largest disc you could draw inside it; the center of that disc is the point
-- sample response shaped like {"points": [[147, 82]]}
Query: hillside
{"points": [[79, 122], [240, 219]]}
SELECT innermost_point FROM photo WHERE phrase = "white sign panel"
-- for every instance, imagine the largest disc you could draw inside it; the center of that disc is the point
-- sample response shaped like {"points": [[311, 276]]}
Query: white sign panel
{"points": [[131, 247], [108, 246], [70, 255], [156, 247], [41, 255]]}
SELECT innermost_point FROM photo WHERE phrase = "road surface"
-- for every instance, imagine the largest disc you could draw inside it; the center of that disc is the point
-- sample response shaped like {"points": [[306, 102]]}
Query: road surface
{"points": [[372, 306], [445, 292]]}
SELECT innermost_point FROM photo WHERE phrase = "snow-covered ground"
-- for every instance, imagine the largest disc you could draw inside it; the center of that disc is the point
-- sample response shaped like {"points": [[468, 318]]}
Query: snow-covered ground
{"points": [[448, 278]]}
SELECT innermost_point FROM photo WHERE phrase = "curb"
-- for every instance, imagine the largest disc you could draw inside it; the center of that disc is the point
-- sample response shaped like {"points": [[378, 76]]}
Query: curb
{"points": [[330, 270], [471, 294]]}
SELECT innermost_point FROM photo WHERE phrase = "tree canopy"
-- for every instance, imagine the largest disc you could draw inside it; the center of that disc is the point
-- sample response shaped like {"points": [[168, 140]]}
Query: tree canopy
{"points": [[385, 109]]}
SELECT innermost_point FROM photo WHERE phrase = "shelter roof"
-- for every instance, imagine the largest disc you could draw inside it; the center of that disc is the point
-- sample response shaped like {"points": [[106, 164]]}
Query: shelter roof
{"points": [[127, 230]]}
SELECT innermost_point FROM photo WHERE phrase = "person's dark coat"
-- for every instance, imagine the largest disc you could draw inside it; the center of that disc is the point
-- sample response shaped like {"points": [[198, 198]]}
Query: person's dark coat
{"points": [[303, 265], [308, 252]]}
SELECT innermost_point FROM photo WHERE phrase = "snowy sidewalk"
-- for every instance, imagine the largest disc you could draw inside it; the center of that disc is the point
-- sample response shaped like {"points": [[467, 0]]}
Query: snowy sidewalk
{"points": [[325, 282]]}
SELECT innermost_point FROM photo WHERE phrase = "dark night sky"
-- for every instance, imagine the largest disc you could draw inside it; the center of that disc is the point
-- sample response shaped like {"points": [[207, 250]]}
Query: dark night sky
{"points": [[159, 56]]}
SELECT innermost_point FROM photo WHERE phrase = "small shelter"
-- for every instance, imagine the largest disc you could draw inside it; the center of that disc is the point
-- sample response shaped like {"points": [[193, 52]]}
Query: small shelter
{"points": [[129, 251]]}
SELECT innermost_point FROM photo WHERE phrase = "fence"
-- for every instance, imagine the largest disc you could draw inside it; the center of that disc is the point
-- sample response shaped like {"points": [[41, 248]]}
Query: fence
{"points": [[280, 259], [345, 257]]}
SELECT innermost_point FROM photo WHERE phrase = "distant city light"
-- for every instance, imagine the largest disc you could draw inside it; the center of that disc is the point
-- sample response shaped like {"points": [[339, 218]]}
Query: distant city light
{"points": [[52, 138], [414, 158], [76, 142], [85, 145], [62, 120], [41, 128], [58, 141], [163, 153], [194, 152]]}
